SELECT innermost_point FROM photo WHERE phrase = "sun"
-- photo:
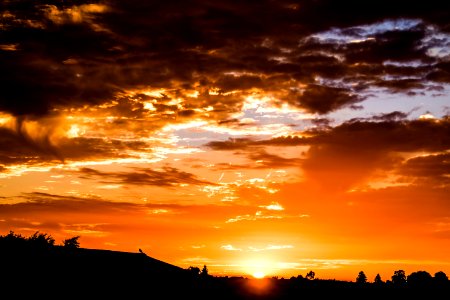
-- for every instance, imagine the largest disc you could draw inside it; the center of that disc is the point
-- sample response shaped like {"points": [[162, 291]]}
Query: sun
{"points": [[258, 267], [259, 274]]}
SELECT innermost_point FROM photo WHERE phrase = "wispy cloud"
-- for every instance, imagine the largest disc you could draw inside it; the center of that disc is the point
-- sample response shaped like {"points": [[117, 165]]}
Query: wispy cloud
{"points": [[230, 248]]}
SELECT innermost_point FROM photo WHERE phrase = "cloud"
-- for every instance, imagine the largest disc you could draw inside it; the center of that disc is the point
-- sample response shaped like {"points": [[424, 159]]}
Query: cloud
{"points": [[323, 99], [125, 224], [69, 56], [273, 206], [244, 143], [331, 158], [55, 213], [260, 159], [270, 247], [267, 215], [167, 177], [390, 117], [428, 168], [230, 144], [334, 161], [74, 14], [230, 248], [266, 160], [24, 147]]}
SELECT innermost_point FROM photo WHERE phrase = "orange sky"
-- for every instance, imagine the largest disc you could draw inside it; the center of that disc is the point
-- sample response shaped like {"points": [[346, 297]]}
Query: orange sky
{"points": [[221, 134]]}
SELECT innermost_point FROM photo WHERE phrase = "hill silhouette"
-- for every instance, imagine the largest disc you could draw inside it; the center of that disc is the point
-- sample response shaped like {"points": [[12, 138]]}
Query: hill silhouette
{"points": [[34, 267]]}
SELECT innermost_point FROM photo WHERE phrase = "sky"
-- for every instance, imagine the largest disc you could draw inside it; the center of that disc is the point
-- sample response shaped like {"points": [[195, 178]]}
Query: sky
{"points": [[269, 137]]}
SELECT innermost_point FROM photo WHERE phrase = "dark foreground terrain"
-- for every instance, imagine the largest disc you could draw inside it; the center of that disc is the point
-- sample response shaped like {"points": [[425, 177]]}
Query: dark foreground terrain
{"points": [[39, 270]]}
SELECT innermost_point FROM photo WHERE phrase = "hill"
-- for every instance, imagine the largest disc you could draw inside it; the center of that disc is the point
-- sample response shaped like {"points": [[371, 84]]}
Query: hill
{"points": [[80, 272]]}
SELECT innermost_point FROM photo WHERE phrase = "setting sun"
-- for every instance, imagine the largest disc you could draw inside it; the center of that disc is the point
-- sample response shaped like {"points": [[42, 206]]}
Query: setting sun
{"points": [[259, 266], [259, 274]]}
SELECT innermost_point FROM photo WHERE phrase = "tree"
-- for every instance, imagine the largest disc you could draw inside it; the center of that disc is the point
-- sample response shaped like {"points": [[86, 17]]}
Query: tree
{"points": [[41, 240], [310, 275], [72, 243], [204, 272], [419, 279], [12, 239], [440, 278], [362, 278], [378, 280], [399, 278]]}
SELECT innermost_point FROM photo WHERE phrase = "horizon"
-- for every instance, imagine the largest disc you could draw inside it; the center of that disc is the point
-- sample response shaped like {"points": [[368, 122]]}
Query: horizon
{"points": [[271, 138], [39, 241]]}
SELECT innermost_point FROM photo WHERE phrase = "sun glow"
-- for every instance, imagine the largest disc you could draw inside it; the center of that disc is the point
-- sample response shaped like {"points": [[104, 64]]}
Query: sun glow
{"points": [[259, 267], [259, 274]]}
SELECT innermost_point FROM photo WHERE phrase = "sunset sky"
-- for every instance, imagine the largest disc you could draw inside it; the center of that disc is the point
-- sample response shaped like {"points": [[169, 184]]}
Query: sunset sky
{"points": [[272, 137]]}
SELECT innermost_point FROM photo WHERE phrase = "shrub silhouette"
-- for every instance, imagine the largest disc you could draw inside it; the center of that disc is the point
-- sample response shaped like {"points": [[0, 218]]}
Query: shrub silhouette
{"points": [[310, 275], [72, 243], [12, 240], [36, 242], [41, 240]]}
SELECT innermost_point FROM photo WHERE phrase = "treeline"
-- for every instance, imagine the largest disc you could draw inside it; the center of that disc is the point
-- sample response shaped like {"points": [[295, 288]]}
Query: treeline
{"points": [[399, 278], [36, 241]]}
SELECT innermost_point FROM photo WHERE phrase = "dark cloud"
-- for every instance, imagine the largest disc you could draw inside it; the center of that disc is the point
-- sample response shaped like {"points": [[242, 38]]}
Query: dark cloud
{"points": [[167, 177], [38, 203], [90, 148], [231, 144], [244, 143], [322, 99], [407, 136], [266, 160], [21, 147], [116, 222], [390, 117], [440, 72], [70, 54], [82, 216], [394, 45], [426, 168], [348, 154], [260, 159]]}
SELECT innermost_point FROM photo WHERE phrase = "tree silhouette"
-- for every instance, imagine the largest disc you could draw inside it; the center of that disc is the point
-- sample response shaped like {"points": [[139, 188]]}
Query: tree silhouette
{"points": [[12, 240], [361, 278], [204, 272], [72, 243], [440, 278], [399, 278], [378, 280], [310, 275], [419, 279], [41, 240]]}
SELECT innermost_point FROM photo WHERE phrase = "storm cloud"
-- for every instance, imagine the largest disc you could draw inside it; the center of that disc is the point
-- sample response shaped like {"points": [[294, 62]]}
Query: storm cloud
{"points": [[68, 54]]}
